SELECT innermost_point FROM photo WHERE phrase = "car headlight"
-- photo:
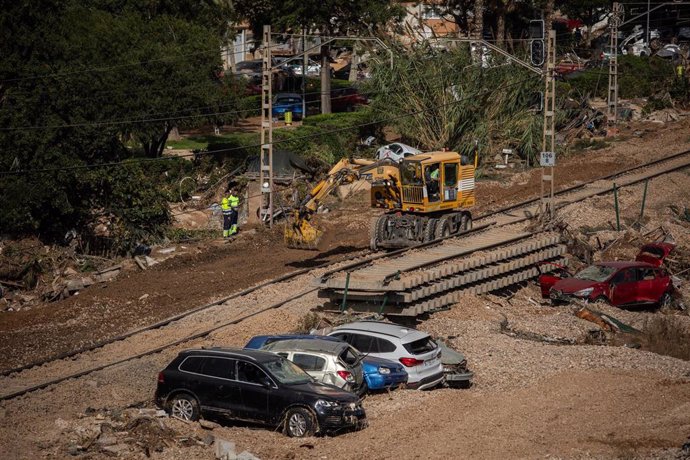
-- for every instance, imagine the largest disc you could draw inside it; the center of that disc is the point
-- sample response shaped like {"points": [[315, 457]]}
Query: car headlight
{"points": [[583, 292], [322, 403], [384, 370]]}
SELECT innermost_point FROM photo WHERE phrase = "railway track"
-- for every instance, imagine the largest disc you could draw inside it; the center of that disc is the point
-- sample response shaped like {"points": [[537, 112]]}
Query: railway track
{"points": [[424, 280], [435, 275]]}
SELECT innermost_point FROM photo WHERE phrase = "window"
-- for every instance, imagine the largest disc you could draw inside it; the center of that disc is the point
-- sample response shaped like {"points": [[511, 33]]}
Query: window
{"points": [[223, 368], [431, 12], [191, 364], [450, 174], [369, 344], [625, 276], [248, 372], [647, 274], [411, 173], [287, 372], [309, 362], [420, 346], [349, 356]]}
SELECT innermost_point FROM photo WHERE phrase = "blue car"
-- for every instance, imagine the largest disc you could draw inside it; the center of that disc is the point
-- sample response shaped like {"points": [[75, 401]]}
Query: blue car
{"points": [[287, 102], [379, 373]]}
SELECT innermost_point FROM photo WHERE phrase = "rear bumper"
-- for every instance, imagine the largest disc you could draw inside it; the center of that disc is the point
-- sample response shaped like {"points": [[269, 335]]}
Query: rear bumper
{"points": [[380, 382], [427, 382]]}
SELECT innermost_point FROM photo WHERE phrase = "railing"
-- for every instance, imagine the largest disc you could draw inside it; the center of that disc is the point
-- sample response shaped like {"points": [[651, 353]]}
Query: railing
{"points": [[413, 194]]}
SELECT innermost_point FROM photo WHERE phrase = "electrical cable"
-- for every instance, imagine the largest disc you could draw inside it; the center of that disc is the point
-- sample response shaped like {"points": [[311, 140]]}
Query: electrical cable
{"points": [[308, 136]]}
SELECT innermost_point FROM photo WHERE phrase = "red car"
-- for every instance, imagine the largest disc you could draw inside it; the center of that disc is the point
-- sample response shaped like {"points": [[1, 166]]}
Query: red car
{"points": [[622, 283]]}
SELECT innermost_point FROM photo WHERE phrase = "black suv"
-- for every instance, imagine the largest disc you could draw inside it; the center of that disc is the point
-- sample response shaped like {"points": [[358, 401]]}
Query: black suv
{"points": [[254, 386]]}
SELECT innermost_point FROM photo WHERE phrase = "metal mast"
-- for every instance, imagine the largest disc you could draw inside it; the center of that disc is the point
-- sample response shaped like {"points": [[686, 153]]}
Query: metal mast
{"points": [[612, 102], [266, 163], [548, 156]]}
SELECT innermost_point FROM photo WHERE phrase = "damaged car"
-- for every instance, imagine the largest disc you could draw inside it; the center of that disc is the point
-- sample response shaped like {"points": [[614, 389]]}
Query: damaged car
{"points": [[379, 373], [327, 361], [642, 282], [254, 386], [414, 349]]}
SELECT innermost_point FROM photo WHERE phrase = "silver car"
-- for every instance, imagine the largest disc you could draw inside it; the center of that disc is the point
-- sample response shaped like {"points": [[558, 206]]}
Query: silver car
{"points": [[414, 349], [396, 151], [326, 361]]}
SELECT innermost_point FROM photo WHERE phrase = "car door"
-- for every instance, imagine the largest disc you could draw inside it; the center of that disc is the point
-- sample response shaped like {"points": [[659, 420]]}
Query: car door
{"points": [[217, 389], [255, 387], [624, 287]]}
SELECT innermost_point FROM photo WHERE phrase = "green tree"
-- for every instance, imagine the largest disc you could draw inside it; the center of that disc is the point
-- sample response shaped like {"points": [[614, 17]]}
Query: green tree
{"points": [[97, 81]]}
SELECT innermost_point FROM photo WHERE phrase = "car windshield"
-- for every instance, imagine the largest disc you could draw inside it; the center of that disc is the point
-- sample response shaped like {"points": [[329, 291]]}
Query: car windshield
{"points": [[286, 372], [595, 273]]}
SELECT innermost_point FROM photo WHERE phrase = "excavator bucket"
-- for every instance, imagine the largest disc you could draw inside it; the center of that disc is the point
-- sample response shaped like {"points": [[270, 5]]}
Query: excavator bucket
{"points": [[301, 234]]}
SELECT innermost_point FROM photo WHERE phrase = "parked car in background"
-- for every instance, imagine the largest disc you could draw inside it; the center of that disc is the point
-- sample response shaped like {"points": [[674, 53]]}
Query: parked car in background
{"points": [[287, 102], [327, 361], [396, 151], [256, 386], [568, 64], [379, 373], [313, 68], [414, 349], [346, 99]]}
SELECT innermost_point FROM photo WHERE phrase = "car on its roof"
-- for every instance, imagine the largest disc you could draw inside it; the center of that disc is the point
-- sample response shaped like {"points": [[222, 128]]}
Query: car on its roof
{"points": [[396, 151], [379, 373], [327, 361], [414, 349], [254, 386]]}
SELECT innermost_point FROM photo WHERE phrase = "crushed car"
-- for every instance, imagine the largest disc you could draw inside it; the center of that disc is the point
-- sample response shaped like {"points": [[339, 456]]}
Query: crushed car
{"points": [[254, 386], [455, 371], [327, 361], [642, 282], [379, 373]]}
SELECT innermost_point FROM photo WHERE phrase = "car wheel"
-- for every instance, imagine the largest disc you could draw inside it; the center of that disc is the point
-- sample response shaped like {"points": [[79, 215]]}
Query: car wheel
{"points": [[665, 301], [599, 299], [184, 407], [299, 423]]}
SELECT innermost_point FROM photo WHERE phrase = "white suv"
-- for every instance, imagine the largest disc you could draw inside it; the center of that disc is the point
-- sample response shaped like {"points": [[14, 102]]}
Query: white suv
{"points": [[416, 350]]}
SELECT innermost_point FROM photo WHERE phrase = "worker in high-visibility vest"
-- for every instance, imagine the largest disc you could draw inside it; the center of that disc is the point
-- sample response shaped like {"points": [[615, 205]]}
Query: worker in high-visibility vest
{"points": [[679, 71], [227, 216], [234, 202]]}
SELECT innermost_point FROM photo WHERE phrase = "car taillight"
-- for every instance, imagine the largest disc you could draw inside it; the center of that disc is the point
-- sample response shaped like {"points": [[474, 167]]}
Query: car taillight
{"points": [[346, 375], [411, 362], [161, 379]]}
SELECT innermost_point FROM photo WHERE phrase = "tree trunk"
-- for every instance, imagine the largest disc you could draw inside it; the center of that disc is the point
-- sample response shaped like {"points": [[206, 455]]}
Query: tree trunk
{"points": [[500, 26], [325, 80], [478, 20], [548, 18]]}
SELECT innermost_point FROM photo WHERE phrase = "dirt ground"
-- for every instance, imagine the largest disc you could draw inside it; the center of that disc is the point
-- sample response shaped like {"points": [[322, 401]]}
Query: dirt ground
{"points": [[530, 398]]}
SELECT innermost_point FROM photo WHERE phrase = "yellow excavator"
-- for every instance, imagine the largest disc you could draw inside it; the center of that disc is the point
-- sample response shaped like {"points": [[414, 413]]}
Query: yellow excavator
{"points": [[426, 196]]}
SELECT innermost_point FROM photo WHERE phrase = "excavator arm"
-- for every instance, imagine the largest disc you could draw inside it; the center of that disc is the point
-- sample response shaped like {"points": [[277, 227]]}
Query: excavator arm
{"points": [[300, 233]]}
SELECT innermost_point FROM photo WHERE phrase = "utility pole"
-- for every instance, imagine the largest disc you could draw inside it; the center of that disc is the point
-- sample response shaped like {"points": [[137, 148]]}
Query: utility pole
{"points": [[305, 65], [266, 160], [612, 102], [548, 155]]}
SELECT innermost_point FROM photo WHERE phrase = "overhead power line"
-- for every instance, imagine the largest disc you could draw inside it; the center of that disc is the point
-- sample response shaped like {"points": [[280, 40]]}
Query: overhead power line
{"points": [[308, 136]]}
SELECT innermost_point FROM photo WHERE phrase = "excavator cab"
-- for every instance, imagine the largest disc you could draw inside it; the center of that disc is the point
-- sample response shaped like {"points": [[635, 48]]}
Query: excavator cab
{"points": [[437, 181]]}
